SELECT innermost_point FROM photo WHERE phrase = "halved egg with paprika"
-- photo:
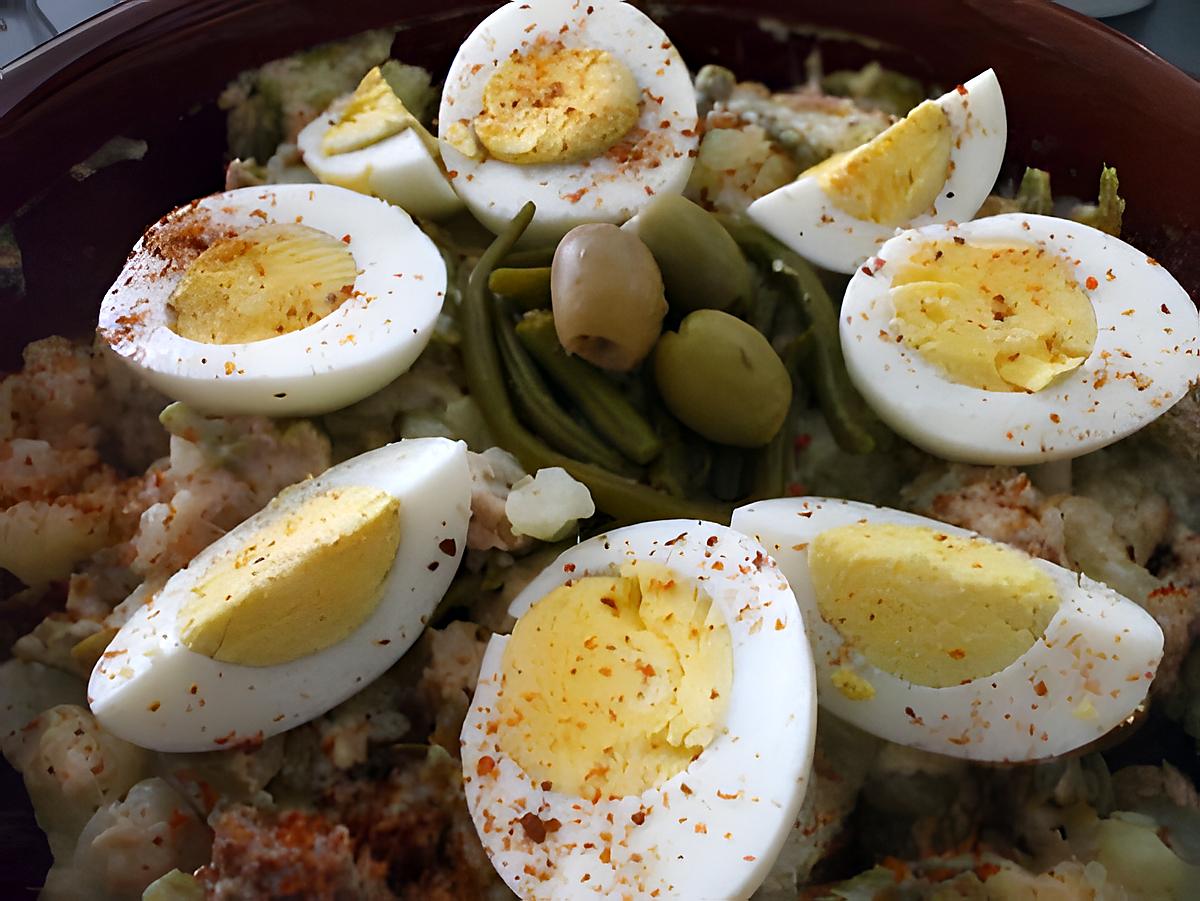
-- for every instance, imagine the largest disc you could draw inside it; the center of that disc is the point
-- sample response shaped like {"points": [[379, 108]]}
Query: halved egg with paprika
{"points": [[587, 109], [934, 637], [1017, 338], [647, 728], [299, 607], [288, 300]]}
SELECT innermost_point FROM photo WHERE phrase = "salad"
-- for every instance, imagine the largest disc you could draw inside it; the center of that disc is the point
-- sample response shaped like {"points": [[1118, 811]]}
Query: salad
{"points": [[573, 474]]}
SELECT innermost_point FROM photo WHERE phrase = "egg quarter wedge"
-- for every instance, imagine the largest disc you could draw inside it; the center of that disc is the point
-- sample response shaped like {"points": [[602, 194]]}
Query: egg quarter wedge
{"points": [[403, 167], [151, 689], [713, 829], [1088, 672], [381, 319], [807, 218]]}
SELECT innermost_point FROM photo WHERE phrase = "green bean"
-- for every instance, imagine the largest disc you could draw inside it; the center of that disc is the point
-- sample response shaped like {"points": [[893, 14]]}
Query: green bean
{"points": [[542, 412], [621, 498], [1034, 195], [771, 472], [762, 309], [528, 259], [725, 481], [528, 288], [843, 408], [600, 401]]}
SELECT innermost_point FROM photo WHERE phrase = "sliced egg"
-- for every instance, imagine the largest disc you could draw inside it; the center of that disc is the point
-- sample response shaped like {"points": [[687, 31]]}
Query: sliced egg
{"points": [[586, 109], [369, 142], [647, 730], [933, 637], [296, 609], [938, 164], [1017, 338], [289, 300]]}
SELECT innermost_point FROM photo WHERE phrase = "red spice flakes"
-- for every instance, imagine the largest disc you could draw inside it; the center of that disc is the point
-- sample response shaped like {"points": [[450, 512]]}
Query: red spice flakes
{"points": [[485, 765], [1152, 261], [609, 602], [153, 708], [957, 653], [1109, 276], [229, 368], [649, 190], [1055, 418], [685, 788], [645, 669], [534, 828], [606, 855], [345, 239], [1091, 282], [1040, 689], [1165, 309], [779, 625], [958, 239], [638, 817], [452, 173], [448, 547], [575, 196], [749, 858], [962, 89], [568, 567]]}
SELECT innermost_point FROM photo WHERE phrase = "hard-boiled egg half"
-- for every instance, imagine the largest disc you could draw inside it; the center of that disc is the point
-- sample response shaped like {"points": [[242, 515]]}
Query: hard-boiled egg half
{"points": [[937, 164], [296, 609], [1017, 338], [647, 729], [586, 109], [286, 300], [369, 141], [933, 637]]}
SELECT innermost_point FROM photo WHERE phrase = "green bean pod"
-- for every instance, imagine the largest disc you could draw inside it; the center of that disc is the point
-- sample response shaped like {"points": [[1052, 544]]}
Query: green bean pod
{"points": [[600, 401], [840, 403], [621, 498], [542, 412], [528, 288]]}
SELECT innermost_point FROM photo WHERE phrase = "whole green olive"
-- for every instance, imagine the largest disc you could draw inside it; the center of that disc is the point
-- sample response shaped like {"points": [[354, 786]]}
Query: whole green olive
{"points": [[702, 266], [607, 296], [721, 378]]}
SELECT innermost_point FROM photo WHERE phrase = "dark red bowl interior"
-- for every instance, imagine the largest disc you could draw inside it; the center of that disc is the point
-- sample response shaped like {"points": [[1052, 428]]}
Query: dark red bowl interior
{"points": [[1078, 95]]}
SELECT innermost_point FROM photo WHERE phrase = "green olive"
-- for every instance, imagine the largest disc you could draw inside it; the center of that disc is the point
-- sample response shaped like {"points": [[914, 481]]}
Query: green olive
{"points": [[607, 296], [702, 266], [721, 378]]}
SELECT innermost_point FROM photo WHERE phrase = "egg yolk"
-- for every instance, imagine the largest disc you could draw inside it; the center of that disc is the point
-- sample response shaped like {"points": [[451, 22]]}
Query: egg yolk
{"points": [[931, 608], [613, 684], [266, 281], [307, 579], [555, 104], [373, 112], [1000, 317], [896, 176]]}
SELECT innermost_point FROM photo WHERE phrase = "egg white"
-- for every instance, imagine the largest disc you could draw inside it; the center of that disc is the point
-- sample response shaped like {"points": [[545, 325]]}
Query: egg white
{"points": [[399, 169], [596, 190], [1089, 672], [152, 690], [1144, 361], [719, 836], [373, 337], [807, 220]]}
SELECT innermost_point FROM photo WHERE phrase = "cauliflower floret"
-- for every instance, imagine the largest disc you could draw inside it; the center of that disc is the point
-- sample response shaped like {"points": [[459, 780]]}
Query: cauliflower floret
{"points": [[493, 474], [128, 844], [548, 505], [27, 688], [72, 768], [238, 775], [54, 396]]}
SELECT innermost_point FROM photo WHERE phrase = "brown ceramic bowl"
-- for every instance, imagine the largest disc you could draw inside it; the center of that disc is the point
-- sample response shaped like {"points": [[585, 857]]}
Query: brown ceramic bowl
{"points": [[1078, 95]]}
